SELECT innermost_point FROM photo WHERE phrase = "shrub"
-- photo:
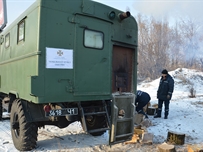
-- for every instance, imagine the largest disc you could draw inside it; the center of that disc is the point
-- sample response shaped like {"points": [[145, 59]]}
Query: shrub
{"points": [[192, 92]]}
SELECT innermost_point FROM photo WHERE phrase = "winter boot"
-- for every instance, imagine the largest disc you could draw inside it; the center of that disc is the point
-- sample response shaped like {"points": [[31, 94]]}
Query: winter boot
{"points": [[166, 114], [158, 115]]}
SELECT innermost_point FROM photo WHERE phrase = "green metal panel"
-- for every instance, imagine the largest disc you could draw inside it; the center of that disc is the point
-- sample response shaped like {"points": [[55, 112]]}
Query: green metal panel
{"points": [[60, 24], [92, 66], [19, 61]]}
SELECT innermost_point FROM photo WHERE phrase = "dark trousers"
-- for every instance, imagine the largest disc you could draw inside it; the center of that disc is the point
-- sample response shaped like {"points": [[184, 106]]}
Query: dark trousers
{"points": [[166, 105]]}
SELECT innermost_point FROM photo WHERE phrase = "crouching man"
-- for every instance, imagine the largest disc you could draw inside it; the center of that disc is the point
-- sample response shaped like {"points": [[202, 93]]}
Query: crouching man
{"points": [[141, 102]]}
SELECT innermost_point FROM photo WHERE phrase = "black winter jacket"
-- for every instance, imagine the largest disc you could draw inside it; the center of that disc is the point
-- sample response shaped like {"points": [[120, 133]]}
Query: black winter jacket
{"points": [[165, 88], [142, 98]]}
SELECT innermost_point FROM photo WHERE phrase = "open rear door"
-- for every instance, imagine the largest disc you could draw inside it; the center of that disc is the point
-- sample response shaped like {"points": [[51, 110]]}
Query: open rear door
{"points": [[122, 119]]}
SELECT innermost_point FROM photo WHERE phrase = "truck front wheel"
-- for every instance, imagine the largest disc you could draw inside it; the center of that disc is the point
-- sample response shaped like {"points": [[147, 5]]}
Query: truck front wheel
{"points": [[24, 134]]}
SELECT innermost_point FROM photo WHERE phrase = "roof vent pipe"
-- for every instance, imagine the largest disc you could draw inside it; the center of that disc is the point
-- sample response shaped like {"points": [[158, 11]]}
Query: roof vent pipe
{"points": [[124, 15]]}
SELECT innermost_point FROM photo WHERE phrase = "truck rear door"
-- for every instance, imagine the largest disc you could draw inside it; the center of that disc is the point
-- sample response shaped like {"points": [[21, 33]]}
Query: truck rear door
{"points": [[92, 75]]}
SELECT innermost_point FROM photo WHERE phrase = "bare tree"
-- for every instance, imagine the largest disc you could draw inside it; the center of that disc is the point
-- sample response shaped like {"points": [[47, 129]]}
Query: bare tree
{"points": [[189, 32], [163, 46], [175, 49], [153, 46]]}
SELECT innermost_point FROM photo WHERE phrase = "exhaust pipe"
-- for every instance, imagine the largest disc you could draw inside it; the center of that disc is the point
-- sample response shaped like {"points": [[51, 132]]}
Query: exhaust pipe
{"points": [[124, 15]]}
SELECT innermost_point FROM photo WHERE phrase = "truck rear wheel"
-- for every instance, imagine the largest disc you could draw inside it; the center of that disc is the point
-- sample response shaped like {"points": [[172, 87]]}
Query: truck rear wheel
{"points": [[24, 134], [96, 122]]}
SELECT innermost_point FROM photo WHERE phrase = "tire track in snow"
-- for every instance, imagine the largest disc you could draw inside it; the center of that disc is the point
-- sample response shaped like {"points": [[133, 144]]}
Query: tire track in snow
{"points": [[5, 133], [5, 130]]}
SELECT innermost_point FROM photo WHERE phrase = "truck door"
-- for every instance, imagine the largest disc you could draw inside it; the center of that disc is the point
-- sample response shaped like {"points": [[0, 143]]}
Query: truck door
{"points": [[92, 57], [122, 111]]}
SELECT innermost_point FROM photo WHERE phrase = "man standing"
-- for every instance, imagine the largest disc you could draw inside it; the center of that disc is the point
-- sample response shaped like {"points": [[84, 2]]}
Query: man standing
{"points": [[142, 99], [164, 93]]}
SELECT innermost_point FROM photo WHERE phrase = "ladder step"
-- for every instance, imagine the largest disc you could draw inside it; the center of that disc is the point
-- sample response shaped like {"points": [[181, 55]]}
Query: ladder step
{"points": [[98, 130], [124, 135], [94, 107], [94, 110], [124, 119], [94, 113]]}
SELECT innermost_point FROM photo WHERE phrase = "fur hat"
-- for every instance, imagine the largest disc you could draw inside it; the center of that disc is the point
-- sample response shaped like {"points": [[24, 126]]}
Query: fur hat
{"points": [[164, 71]]}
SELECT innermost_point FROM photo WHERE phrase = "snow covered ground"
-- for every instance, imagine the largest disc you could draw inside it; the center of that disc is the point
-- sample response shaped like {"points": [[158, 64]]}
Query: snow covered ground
{"points": [[185, 116]]}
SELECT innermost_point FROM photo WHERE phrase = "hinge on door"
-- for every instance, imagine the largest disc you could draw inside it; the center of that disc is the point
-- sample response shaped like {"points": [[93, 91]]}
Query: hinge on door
{"points": [[83, 26], [73, 19]]}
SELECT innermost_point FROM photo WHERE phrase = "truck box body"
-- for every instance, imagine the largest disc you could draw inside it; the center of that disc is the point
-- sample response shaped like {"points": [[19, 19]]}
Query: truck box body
{"points": [[54, 28]]}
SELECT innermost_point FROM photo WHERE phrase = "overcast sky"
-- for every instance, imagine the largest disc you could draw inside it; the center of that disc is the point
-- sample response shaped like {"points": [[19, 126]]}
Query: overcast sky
{"points": [[160, 9], [157, 8]]}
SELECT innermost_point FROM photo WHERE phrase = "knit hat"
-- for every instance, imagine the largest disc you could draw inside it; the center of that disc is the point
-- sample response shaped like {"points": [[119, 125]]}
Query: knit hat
{"points": [[164, 71]]}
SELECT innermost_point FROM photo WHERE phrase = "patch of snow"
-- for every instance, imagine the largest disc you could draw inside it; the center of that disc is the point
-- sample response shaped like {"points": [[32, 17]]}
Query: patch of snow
{"points": [[185, 116]]}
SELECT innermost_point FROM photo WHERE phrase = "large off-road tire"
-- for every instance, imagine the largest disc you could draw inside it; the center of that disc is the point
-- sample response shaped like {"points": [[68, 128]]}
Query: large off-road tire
{"points": [[24, 134], [95, 123]]}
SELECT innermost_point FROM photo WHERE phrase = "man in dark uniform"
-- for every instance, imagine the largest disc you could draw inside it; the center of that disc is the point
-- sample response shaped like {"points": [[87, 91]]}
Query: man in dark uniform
{"points": [[141, 101], [164, 93]]}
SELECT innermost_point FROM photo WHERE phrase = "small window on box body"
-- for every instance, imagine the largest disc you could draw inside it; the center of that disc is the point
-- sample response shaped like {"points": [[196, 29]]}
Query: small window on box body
{"points": [[7, 40], [21, 31], [93, 39]]}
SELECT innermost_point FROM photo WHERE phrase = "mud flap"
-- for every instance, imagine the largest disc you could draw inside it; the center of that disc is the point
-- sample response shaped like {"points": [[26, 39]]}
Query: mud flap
{"points": [[122, 120]]}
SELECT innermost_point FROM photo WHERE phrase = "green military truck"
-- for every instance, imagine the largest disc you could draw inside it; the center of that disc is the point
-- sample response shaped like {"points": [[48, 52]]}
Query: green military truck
{"points": [[63, 61]]}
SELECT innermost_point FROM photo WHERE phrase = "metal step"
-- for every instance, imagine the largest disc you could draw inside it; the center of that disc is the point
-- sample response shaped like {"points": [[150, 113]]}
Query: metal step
{"points": [[124, 135], [125, 119], [95, 113], [98, 130]]}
